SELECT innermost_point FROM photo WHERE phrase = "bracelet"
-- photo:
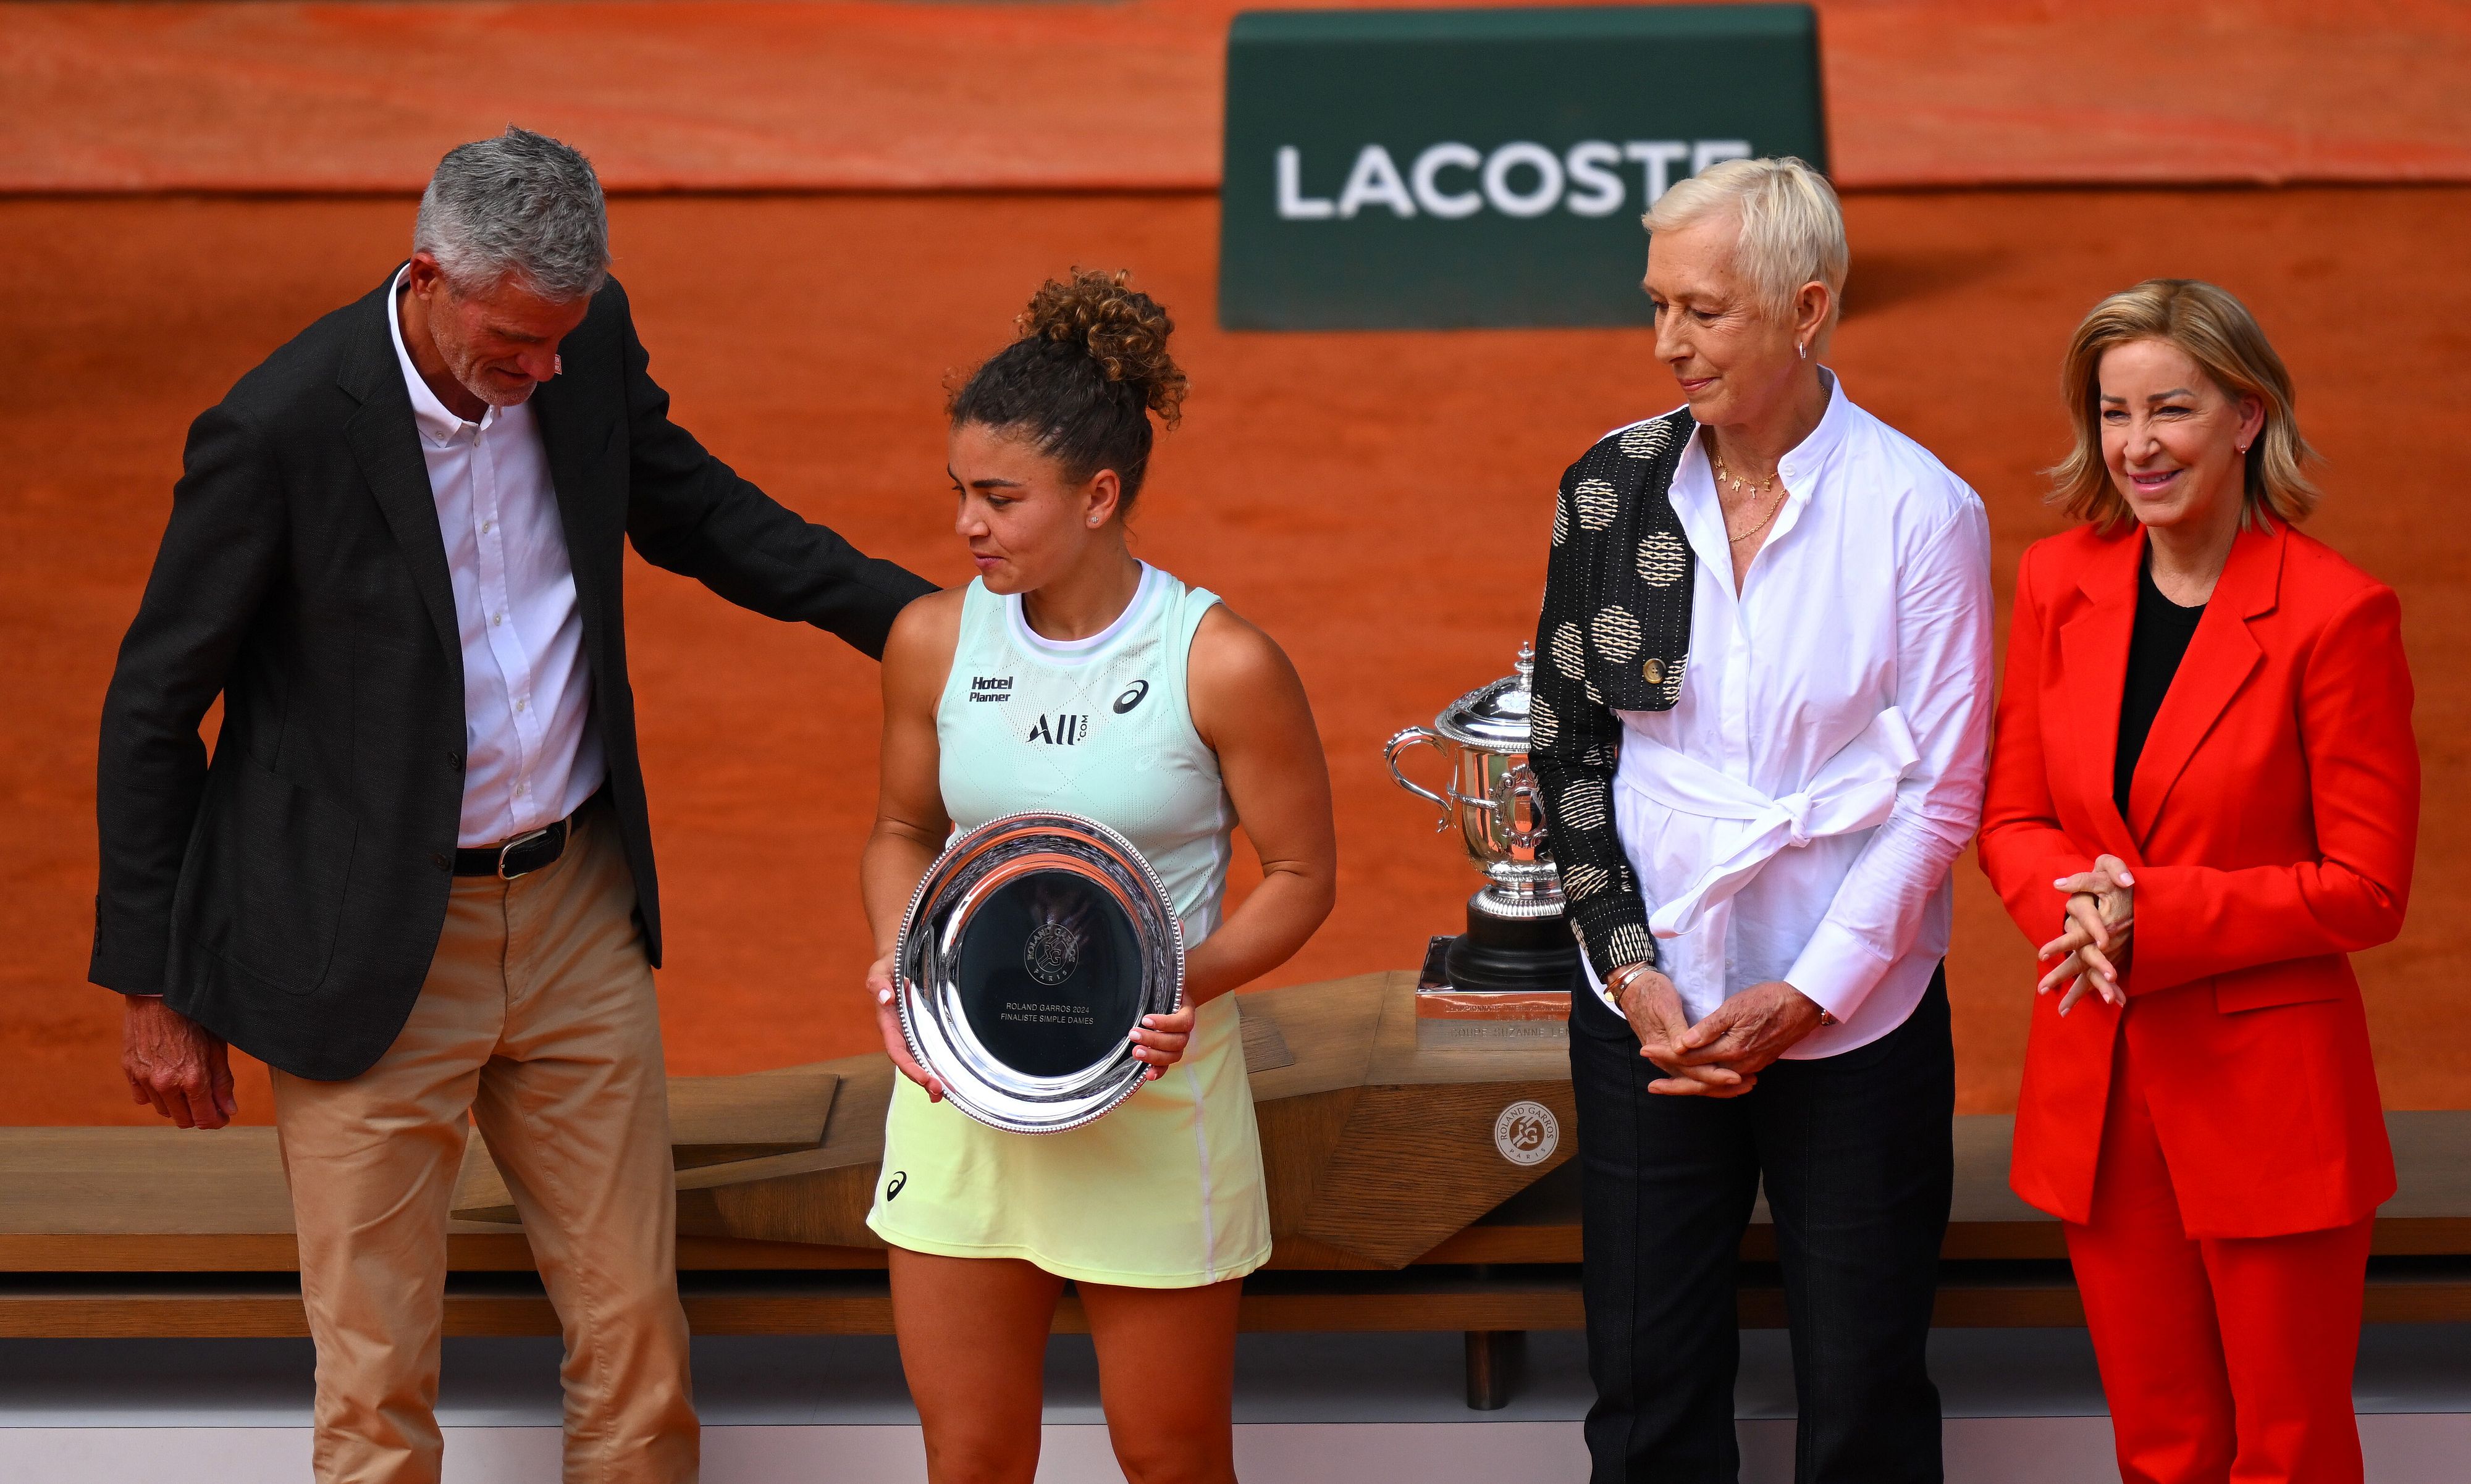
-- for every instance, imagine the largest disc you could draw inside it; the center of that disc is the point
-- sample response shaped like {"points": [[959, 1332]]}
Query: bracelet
{"points": [[1622, 978]]}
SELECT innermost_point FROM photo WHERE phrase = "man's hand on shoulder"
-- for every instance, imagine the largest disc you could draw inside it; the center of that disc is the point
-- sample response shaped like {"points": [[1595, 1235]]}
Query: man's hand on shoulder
{"points": [[176, 1064]]}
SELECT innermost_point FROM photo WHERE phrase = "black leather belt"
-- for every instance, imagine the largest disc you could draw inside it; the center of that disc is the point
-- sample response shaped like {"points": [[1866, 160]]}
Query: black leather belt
{"points": [[520, 856]]}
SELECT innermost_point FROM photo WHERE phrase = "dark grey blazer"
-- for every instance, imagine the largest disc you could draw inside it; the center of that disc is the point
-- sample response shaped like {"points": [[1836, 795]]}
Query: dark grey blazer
{"points": [[290, 896]]}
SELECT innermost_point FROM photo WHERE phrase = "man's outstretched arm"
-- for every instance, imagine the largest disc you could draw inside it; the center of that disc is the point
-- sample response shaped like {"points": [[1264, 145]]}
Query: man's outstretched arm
{"points": [[693, 515]]}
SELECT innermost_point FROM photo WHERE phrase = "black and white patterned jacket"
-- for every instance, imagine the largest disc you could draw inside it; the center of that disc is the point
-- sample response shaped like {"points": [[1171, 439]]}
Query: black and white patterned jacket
{"points": [[1615, 637]]}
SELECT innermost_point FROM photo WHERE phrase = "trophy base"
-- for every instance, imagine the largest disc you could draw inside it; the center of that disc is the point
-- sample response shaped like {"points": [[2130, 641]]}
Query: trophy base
{"points": [[1511, 953], [1447, 1017]]}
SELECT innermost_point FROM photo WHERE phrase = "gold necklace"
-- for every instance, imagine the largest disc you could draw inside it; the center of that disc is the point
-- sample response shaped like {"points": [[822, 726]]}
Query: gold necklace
{"points": [[1756, 490]]}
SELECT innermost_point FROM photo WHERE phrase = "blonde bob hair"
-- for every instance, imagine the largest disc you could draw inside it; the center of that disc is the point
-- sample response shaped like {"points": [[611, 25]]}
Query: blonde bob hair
{"points": [[2217, 331], [1791, 230]]}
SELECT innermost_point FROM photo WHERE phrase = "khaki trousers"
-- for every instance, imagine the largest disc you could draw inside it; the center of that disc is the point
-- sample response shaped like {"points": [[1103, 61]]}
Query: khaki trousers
{"points": [[538, 1020]]}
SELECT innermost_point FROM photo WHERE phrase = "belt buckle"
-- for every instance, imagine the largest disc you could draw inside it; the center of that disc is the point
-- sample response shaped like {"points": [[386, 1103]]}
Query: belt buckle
{"points": [[517, 843]]}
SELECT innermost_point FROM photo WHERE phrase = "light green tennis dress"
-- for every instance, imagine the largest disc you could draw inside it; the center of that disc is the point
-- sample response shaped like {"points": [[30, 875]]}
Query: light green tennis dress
{"points": [[1167, 1191]]}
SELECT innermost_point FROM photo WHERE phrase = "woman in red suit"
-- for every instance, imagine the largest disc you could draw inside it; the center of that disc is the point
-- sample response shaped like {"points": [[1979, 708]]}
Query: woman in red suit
{"points": [[2203, 794]]}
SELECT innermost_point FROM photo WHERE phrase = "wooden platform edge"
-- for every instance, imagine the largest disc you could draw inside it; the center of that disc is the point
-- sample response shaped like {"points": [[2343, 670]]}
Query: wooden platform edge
{"points": [[506, 1251], [1986, 1295]]}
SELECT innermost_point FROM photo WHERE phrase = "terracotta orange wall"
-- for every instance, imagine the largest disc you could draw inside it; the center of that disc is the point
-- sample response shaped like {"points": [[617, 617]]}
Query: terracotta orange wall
{"points": [[897, 94], [1379, 502]]}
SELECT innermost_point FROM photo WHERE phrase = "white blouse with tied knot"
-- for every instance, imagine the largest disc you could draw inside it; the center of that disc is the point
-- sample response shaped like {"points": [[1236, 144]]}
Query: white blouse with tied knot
{"points": [[1795, 814]]}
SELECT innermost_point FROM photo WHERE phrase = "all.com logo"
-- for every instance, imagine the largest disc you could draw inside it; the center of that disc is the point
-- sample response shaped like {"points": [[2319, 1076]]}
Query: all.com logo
{"points": [[1454, 181]]}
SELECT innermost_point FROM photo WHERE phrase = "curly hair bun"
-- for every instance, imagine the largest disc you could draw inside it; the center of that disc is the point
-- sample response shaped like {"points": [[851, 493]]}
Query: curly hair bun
{"points": [[1122, 329]]}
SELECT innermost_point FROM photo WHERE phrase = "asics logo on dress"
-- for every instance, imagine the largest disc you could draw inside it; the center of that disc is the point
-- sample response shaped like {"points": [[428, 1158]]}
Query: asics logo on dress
{"points": [[892, 1189], [1133, 696], [990, 687], [1064, 731]]}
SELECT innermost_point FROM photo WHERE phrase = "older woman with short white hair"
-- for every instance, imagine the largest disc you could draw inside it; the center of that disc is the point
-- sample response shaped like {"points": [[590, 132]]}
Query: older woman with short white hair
{"points": [[1760, 727]]}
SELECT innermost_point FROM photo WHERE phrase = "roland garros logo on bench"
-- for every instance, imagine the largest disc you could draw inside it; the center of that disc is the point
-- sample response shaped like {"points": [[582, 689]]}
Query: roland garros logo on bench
{"points": [[1453, 181], [1526, 1133]]}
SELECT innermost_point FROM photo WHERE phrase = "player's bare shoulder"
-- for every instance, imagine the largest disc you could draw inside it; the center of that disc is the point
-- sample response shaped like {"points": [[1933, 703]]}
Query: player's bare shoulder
{"points": [[1229, 650], [929, 624], [918, 652], [1234, 671]]}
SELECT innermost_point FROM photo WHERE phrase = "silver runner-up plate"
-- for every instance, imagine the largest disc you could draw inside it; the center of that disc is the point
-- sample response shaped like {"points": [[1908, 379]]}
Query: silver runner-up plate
{"points": [[1032, 948]]}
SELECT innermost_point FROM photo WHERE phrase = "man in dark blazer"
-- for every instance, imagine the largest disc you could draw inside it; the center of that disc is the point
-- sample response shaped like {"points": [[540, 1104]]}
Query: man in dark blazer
{"points": [[417, 877]]}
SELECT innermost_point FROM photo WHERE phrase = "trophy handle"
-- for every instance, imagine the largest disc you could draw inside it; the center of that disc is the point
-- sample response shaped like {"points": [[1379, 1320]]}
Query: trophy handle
{"points": [[1400, 743]]}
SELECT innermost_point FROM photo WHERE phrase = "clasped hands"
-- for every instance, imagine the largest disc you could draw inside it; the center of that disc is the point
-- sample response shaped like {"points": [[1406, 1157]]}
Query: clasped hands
{"points": [[1722, 1055], [2099, 920]]}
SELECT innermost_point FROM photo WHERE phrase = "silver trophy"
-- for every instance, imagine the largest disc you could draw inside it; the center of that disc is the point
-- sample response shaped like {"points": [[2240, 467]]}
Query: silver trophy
{"points": [[1031, 949], [1517, 938]]}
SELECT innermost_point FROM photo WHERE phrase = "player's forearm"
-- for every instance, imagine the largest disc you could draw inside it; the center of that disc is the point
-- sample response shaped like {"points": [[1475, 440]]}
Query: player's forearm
{"points": [[1278, 919], [896, 857]]}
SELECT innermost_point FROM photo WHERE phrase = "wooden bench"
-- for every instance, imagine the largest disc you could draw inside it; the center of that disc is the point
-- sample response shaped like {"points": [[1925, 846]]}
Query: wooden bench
{"points": [[1391, 1209]]}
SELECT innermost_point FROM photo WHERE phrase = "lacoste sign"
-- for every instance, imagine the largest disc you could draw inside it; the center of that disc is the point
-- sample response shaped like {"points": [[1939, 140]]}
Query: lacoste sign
{"points": [[1406, 168], [1520, 178]]}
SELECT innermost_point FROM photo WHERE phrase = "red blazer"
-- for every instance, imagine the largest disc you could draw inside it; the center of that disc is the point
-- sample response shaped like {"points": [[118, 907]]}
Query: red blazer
{"points": [[2270, 827]]}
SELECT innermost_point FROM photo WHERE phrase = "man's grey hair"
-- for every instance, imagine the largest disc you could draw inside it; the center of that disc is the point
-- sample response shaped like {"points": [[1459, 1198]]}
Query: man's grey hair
{"points": [[520, 206]]}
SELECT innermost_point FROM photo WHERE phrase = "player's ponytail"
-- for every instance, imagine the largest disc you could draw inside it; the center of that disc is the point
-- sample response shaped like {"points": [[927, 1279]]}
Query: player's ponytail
{"points": [[1090, 367]]}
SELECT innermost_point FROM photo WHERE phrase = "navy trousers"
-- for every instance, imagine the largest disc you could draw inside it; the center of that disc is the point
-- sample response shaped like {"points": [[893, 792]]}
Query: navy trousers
{"points": [[1857, 1155]]}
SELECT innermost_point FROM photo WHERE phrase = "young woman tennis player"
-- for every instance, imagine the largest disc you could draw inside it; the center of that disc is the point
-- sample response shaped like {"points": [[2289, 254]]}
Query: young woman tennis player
{"points": [[1144, 704]]}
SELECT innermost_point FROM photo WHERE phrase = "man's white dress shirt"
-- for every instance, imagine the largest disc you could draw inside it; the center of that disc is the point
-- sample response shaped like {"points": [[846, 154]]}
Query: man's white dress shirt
{"points": [[1795, 814], [531, 755]]}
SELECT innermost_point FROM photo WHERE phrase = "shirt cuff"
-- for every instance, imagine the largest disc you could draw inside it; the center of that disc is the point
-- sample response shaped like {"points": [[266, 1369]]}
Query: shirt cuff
{"points": [[1837, 970], [1597, 985]]}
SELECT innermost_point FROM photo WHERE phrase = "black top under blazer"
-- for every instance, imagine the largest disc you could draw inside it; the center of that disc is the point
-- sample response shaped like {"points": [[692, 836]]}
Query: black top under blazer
{"points": [[1615, 636], [288, 897]]}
